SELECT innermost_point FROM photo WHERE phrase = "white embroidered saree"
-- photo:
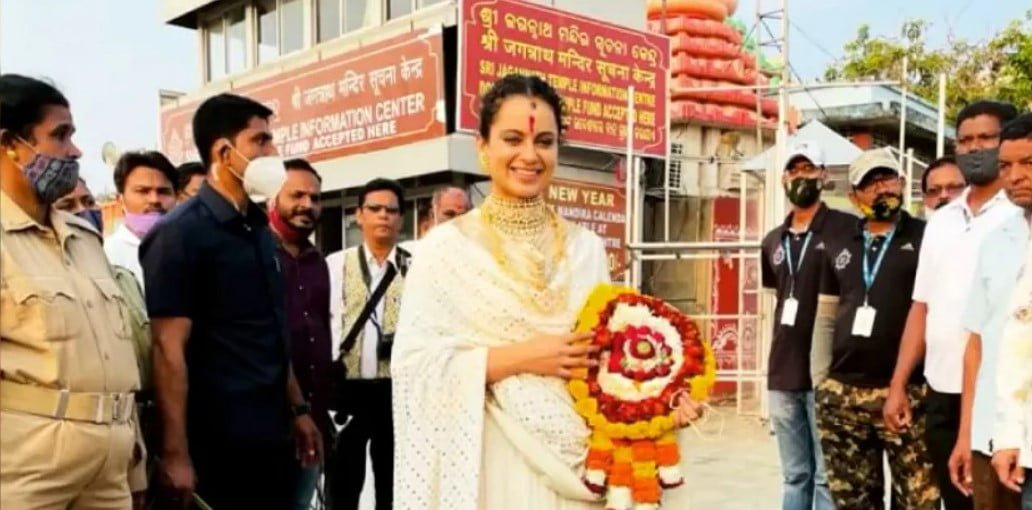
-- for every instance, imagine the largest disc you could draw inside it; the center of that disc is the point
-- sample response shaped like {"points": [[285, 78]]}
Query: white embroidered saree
{"points": [[459, 443]]}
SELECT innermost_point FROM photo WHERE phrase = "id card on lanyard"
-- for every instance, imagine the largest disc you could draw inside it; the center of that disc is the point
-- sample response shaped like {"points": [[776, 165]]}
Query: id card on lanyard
{"points": [[863, 321], [790, 307]]}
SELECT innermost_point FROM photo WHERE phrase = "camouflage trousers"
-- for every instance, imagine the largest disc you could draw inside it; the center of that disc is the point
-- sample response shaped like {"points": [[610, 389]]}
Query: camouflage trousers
{"points": [[854, 437]]}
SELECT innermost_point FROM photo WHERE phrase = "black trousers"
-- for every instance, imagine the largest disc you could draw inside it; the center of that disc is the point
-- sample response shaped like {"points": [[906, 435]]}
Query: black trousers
{"points": [[369, 404], [245, 475], [941, 430]]}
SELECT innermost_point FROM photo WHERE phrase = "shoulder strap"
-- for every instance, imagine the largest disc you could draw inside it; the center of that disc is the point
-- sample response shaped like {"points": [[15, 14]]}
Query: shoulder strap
{"points": [[367, 310]]}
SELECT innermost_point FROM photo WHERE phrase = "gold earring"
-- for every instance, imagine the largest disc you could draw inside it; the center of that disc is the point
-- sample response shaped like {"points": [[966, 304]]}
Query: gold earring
{"points": [[11, 153], [483, 162]]}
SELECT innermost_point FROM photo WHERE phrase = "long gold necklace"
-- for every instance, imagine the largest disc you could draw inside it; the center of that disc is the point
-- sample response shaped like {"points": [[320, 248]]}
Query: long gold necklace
{"points": [[526, 222]]}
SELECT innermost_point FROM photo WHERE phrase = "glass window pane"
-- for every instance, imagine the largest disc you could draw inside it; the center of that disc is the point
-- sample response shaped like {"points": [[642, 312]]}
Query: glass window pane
{"points": [[237, 38], [354, 14], [292, 25], [398, 8], [329, 19], [268, 43], [216, 49]]}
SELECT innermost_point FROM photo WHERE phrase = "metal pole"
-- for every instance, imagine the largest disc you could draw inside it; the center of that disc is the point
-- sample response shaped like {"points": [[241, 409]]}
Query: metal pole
{"points": [[679, 246], [628, 186], [639, 218], [909, 197], [940, 131], [903, 114], [799, 86]]}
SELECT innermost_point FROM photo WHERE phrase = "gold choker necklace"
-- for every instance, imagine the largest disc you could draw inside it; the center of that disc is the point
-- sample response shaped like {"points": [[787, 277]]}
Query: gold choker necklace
{"points": [[522, 218]]}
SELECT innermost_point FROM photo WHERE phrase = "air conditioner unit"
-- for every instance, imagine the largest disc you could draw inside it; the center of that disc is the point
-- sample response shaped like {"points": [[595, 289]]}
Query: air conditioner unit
{"points": [[683, 181]]}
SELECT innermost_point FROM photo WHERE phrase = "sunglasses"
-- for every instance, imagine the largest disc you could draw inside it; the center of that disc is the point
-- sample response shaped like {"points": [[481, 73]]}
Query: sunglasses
{"points": [[376, 208]]}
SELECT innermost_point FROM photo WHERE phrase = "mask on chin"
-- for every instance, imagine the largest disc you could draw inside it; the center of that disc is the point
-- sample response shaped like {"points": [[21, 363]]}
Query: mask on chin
{"points": [[804, 192], [94, 217], [288, 232], [980, 167], [886, 207]]}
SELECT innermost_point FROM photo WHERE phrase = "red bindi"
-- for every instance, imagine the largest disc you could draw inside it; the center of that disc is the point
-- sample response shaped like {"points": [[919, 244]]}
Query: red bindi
{"points": [[530, 123]]}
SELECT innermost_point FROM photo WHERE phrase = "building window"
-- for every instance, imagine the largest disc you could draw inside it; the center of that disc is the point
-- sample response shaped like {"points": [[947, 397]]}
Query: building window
{"points": [[236, 40], [330, 17], [268, 37], [216, 46], [354, 14], [398, 8], [292, 25]]}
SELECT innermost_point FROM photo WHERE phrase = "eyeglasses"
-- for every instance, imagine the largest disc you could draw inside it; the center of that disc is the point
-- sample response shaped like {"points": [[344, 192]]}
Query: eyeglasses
{"points": [[376, 208], [948, 188]]}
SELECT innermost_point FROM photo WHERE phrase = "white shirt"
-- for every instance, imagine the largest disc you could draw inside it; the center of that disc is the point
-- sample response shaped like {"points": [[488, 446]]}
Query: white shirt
{"points": [[371, 332], [335, 263], [123, 249], [945, 269], [999, 263], [1013, 426]]}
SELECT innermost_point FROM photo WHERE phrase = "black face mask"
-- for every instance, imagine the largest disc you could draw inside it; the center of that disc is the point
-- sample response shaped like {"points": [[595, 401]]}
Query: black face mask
{"points": [[886, 207], [980, 167], [804, 192]]}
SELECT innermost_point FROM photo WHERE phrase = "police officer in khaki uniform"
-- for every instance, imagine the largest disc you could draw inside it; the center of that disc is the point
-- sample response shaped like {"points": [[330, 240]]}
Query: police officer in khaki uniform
{"points": [[67, 367]]}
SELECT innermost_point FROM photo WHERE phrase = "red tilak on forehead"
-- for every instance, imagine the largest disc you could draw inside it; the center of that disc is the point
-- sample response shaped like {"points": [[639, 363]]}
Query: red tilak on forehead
{"points": [[530, 118]]}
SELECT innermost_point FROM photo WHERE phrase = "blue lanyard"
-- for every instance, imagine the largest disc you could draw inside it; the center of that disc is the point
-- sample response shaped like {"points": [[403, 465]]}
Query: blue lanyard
{"points": [[871, 272], [793, 270]]}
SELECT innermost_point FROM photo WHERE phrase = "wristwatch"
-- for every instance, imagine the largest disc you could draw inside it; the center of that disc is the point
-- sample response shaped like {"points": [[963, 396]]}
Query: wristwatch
{"points": [[301, 409]]}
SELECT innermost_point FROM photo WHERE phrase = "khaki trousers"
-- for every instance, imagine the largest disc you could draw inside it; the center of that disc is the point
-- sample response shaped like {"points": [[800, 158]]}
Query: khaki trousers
{"points": [[47, 463]]}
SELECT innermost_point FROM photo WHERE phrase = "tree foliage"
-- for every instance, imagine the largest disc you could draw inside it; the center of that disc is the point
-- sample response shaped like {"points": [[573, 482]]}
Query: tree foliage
{"points": [[997, 68]]}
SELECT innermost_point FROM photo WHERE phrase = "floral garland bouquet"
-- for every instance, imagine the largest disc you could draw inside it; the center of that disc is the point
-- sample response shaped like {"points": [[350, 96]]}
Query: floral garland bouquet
{"points": [[650, 354]]}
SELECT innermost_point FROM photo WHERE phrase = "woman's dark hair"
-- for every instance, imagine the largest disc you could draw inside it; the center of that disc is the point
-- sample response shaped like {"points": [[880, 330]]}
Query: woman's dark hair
{"points": [[23, 103], [518, 85], [149, 159]]}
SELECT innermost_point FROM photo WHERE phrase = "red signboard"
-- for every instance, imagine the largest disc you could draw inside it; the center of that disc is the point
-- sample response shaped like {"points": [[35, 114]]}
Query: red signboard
{"points": [[364, 100], [591, 63], [598, 208]]}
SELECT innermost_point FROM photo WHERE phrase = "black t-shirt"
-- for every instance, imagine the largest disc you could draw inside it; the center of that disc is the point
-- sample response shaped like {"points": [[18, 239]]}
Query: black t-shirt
{"points": [[869, 361], [789, 362], [207, 262]]}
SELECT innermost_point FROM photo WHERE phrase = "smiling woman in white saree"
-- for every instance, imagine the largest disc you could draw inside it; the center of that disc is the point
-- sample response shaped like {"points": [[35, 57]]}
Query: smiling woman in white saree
{"points": [[482, 416]]}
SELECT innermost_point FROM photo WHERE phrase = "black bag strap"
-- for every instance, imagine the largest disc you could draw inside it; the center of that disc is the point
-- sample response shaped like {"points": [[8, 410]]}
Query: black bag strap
{"points": [[367, 310]]}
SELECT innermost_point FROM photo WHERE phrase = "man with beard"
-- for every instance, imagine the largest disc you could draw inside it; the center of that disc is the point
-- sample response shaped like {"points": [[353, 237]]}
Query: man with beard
{"points": [[373, 273], [941, 182], [935, 333], [791, 267], [293, 216], [999, 266], [866, 277], [146, 185]]}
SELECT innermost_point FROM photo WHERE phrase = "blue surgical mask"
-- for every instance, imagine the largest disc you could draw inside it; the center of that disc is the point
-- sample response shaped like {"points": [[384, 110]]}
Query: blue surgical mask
{"points": [[51, 178], [94, 217]]}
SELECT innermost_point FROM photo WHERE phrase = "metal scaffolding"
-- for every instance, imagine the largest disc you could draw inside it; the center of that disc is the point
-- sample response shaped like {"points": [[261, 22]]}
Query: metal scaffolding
{"points": [[771, 31]]}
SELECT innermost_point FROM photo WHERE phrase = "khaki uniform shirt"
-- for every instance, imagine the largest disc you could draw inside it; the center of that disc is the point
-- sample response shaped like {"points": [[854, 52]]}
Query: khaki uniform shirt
{"points": [[64, 323]]}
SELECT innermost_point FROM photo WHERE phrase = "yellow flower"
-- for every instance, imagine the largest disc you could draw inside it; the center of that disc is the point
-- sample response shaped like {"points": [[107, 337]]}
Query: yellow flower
{"points": [[586, 407], [600, 441], [669, 437], [597, 421], [638, 430], [578, 389], [644, 469], [616, 430], [703, 383], [622, 455], [596, 303], [660, 425]]}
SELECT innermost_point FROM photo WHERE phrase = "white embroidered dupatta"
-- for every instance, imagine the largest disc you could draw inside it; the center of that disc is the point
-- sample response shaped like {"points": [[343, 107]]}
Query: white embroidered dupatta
{"points": [[457, 303]]}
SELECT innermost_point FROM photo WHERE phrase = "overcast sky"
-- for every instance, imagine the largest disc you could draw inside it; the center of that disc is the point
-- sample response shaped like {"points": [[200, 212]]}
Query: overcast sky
{"points": [[110, 57]]}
